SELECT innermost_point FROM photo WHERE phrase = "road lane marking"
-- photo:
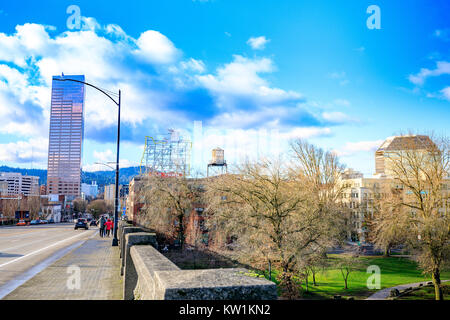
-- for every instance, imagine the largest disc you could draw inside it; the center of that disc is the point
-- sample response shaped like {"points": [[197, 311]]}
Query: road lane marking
{"points": [[13, 284], [25, 233], [32, 233], [33, 242], [42, 249]]}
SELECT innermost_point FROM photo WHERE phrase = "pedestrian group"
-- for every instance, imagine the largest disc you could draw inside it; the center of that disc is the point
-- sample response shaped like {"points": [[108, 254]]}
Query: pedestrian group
{"points": [[106, 226]]}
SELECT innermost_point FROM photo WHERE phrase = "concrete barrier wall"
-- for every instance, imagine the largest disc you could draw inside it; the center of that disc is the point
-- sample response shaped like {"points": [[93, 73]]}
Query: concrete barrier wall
{"points": [[129, 272], [149, 275]]}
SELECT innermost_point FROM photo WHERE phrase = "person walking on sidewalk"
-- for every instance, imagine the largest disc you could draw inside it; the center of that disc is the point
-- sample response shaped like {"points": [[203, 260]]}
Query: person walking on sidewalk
{"points": [[102, 225], [109, 224]]}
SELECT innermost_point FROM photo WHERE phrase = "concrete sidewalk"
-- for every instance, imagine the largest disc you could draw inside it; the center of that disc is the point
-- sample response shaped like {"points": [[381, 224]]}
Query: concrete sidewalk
{"points": [[99, 275]]}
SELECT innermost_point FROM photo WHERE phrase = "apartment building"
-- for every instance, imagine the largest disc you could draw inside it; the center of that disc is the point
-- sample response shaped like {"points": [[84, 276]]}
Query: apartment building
{"points": [[359, 191]]}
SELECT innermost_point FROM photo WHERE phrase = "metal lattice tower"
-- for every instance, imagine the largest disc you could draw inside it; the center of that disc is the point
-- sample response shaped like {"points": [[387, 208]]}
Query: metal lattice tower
{"points": [[169, 155]]}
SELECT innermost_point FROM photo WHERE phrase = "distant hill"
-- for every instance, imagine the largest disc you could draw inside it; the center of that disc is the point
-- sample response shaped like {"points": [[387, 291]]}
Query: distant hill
{"points": [[102, 177], [108, 177]]}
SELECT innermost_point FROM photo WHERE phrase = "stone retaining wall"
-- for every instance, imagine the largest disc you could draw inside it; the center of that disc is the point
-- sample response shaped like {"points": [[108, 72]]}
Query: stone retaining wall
{"points": [[149, 275]]}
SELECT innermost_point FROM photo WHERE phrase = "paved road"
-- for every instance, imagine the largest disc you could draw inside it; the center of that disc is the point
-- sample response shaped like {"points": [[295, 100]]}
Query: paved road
{"points": [[25, 251]]}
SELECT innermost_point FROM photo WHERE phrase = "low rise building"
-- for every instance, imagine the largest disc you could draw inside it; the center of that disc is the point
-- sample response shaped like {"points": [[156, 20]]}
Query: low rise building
{"points": [[19, 184], [110, 193], [135, 202]]}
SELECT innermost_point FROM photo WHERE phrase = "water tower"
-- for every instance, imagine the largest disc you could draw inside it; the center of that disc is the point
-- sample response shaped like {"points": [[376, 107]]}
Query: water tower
{"points": [[218, 164]]}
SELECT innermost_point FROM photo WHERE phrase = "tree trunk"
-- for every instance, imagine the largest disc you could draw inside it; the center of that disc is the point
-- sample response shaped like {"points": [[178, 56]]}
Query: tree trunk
{"points": [[270, 270], [314, 278], [437, 284], [387, 251], [306, 282], [345, 280], [181, 231]]}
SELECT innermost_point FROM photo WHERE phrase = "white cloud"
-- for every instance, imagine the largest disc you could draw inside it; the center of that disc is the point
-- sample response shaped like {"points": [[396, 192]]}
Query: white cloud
{"points": [[89, 23], [104, 156], [154, 47], [193, 65], [446, 93], [339, 76], [351, 148], [257, 43], [337, 117], [341, 102], [103, 61], [241, 78], [253, 144], [30, 151], [149, 71], [21, 104], [442, 67]]}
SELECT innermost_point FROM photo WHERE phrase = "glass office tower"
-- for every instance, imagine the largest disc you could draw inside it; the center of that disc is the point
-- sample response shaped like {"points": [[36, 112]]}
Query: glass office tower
{"points": [[66, 136]]}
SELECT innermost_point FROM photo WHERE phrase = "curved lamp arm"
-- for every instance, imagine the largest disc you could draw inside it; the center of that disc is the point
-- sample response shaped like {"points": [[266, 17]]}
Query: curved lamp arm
{"points": [[91, 85]]}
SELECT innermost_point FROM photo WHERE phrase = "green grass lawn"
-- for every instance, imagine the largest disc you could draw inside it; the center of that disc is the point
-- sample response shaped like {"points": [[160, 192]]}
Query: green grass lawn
{"points": [[394, 271], [427, 293]]}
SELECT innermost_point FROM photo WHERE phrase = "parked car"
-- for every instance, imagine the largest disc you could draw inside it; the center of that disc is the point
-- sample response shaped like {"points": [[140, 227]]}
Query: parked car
{"points": [[51, 221], [93, 223], [21, 223], [81, 223], [35, 222], [43, 222]]}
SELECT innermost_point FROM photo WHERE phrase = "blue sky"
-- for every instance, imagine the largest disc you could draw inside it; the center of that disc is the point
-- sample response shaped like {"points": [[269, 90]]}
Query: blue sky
{"points": [[255, 73]]}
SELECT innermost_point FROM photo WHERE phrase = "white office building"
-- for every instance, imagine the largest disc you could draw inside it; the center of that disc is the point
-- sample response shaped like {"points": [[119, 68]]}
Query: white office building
{"points": [[90, 190], [18, 184]]}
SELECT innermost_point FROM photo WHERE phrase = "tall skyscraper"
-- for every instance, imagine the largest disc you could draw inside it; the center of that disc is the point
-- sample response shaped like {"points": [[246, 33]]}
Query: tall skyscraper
{"points": [[66, 136]]}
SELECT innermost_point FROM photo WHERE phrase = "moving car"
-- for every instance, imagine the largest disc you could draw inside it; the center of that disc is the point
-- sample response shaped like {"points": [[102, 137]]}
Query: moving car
{"points": [[93, 223], [81, 223], [21, 223]]}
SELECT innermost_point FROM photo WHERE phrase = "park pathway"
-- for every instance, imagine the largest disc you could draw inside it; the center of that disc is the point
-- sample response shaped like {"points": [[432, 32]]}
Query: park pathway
{"points": [[99, 270], [384, 293]]}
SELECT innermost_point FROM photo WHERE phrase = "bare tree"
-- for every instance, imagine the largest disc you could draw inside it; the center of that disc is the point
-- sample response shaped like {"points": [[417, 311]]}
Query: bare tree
{"points": [[421, 168], [168, 200], [97, 208], [31, 204], [389, 226], [346, 265], [260, 206], [10, 206], [311, 265], [319, 172], [280, 211], [80, 205]]}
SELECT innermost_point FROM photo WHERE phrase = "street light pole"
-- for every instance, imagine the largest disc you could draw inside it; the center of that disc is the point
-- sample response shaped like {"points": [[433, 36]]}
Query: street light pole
{"points": [[116, 208], [115, 241]]}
